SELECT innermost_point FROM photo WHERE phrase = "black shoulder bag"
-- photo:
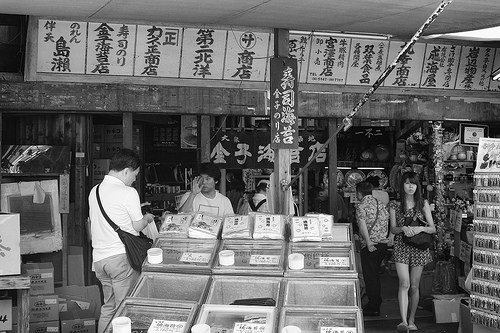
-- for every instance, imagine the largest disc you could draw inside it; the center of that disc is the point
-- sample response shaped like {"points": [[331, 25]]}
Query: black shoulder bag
{"points": [[421, 240], [136, 246]]}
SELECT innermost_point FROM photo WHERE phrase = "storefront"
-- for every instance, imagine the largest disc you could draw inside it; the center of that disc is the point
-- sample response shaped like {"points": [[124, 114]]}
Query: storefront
{"points": [[176, 122]]}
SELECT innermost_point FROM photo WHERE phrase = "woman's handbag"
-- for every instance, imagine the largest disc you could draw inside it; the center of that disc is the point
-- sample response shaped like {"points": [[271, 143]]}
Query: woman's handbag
{"points": [[421, 240], [136, 247]]}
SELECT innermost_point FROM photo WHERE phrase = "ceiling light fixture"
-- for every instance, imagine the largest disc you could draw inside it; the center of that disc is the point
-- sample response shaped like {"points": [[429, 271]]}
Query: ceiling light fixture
{"points": [[341, 34], [495, 76], [371, 168]]}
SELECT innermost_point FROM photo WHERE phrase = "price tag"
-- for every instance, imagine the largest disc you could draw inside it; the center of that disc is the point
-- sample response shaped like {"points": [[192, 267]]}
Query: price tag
{"points": [[166, 326], [333, 262], [195, 257], [249, 328], [331, 329], [262, 259]]}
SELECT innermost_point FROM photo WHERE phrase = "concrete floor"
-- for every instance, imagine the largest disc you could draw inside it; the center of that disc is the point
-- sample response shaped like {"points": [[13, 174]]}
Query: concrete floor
{"points": [[389, 312]]}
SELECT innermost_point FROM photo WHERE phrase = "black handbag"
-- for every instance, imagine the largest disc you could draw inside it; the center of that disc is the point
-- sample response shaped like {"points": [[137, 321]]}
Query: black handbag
{"points": [[136, 247], [421, 240]]}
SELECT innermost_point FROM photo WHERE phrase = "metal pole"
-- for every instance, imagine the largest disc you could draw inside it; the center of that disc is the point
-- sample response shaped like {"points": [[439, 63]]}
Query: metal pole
{"points": [[347, 122]]}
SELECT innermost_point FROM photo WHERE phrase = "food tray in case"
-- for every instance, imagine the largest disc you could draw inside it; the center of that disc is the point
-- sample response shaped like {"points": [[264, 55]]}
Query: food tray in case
{"points": [[321, 292], [252, 257], [323, 259], [228, 289], [316, 320], [142, 312], [172, 286], [184, 256], [238, 318]]}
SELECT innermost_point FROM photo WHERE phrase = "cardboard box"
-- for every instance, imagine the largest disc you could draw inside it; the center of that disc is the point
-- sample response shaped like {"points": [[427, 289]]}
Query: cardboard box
{"points": [[78, 322], [42, 277], [45, 327], [10, 244], [6, 319], [447, 307], [86, 298], [44, 308]]}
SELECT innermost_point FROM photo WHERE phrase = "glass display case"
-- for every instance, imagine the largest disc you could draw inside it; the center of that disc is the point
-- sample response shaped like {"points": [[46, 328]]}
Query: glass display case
{"points": [[323, 259], [322, 292], [171, 286], [230, 290], [238, 318], [322, 320], [193, 256], [251, 257], [144, 311]]}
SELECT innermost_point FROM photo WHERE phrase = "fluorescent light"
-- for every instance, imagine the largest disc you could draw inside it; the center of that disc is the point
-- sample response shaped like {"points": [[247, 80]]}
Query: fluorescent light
{"points": [[488, 34], [457, 119], [371, 168], [341, 34], [344, 168]]}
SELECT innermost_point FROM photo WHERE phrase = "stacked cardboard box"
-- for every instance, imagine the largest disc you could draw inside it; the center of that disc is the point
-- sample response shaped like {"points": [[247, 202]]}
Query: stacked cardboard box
{"points": [[79, 308], [44, 304]]}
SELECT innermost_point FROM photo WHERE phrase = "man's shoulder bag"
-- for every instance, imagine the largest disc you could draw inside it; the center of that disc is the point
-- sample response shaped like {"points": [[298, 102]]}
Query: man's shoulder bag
{"points": [[136, 246], [421, 240]]}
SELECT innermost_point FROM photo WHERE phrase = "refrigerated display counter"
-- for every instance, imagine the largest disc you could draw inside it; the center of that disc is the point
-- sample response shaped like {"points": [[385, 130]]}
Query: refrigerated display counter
{"points": [[190, 256]]}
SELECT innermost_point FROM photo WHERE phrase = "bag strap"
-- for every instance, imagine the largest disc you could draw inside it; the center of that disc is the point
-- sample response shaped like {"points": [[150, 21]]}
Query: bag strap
{"points": [[376, 218], [260, 204], [111, 223], [252, 205]]}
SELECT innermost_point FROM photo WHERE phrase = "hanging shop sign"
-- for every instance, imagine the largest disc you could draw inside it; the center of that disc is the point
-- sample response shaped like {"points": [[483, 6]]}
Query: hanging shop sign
{"points": [[103, 51], [284, 104], [252, 150]]}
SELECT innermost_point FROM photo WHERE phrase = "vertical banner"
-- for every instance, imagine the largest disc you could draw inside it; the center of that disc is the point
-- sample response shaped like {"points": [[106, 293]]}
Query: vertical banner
{"points": [[284, 103]]}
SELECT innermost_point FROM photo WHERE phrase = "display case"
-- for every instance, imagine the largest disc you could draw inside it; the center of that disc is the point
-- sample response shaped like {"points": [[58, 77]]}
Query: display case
{"points": [[193, 256], [323, 259], [172, 286], [322, 292], [485, 287], [251, 257], [144, 311], [230, 290], [322, 320], [238, 318]]}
